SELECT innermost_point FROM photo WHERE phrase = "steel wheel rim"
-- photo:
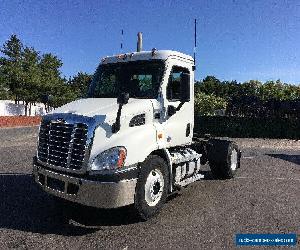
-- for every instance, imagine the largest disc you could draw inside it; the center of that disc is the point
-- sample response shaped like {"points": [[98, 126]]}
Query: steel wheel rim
{"points": [[154, 187], [233, 160]]}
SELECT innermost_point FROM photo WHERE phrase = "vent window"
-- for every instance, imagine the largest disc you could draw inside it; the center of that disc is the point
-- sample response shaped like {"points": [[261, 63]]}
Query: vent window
{"points": [[137, 120]]}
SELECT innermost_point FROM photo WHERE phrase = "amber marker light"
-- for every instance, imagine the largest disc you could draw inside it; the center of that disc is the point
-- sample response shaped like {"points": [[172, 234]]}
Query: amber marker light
{"points": [[122, 157]]}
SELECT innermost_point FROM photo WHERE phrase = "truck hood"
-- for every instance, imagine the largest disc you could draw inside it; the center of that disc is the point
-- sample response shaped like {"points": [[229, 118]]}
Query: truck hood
{"points": [[106, 108]]}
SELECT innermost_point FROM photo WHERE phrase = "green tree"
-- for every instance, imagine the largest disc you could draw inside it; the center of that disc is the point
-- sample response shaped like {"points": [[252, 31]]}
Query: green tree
{"points": [[11, 65], [213, 86], [80, 84], [52, 83], [29, 90], [28, 75], [20, 71], [207, 104], [250, 88], [4, 89], [50, 73], [229, 89], [209, 85], [272, 90]]}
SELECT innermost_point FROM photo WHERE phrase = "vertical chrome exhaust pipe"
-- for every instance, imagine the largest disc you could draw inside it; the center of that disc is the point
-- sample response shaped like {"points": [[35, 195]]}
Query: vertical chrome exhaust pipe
{"points": [[139, 47]]}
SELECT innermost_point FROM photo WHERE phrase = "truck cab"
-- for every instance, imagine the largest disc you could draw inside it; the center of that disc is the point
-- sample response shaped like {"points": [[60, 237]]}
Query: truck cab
{"points": [[131, 140]]}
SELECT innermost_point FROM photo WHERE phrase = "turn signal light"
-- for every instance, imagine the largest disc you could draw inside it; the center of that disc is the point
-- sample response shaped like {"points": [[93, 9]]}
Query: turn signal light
{"points": [[122, 157]]}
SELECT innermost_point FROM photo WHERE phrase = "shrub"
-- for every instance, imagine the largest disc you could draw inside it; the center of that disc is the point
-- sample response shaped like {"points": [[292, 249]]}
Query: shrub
{"points": [[207, 104]]}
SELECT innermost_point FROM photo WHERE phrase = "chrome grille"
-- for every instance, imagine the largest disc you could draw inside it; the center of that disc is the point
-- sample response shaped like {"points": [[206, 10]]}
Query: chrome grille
{"points": [[62, 144]]}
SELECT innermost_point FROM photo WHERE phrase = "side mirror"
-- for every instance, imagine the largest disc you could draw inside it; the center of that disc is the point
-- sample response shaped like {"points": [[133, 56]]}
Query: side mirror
{"points": [[123, 98], [185, 87]]}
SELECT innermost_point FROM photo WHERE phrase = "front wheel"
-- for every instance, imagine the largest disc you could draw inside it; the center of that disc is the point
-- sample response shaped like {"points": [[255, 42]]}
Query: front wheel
{"points": [[152, 187]]}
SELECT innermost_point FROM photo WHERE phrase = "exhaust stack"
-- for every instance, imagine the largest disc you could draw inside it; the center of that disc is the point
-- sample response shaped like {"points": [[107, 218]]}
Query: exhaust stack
{"points": [[139, 47]]}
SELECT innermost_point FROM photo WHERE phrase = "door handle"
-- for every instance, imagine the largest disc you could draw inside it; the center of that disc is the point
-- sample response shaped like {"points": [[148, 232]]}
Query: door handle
{"points": [[188, 130]]}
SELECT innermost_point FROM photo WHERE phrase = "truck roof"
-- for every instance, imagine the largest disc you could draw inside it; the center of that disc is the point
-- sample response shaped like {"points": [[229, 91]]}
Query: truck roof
{"points": [[146, 55]]}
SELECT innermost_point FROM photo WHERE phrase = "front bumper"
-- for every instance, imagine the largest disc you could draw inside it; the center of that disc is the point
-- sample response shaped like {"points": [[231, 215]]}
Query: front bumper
{"points": [[86, 192]]}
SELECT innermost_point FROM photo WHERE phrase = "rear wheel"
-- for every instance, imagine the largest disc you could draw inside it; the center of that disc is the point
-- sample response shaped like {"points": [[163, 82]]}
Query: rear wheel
{"points": [[152, 187], [224, 158]]}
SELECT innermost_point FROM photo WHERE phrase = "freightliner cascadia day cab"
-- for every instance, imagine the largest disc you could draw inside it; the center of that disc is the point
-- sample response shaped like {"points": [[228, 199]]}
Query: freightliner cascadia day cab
{"points": [[131, 140]]}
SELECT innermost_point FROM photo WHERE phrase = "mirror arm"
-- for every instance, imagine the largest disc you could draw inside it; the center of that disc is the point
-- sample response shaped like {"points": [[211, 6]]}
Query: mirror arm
{"points": [[180, 105], [121, 100], [117, 125]]}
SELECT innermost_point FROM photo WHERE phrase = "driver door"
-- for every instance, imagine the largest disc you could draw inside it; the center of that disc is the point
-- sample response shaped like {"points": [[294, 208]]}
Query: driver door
{"points": [[179, 115]]}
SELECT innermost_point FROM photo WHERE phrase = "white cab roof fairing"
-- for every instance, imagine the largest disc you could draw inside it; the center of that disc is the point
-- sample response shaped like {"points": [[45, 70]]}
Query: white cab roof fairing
{"points": [[145, 56]]}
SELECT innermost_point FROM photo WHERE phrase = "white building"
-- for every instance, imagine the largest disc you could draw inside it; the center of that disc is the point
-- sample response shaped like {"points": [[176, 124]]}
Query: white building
{"points": [[9, 108]]}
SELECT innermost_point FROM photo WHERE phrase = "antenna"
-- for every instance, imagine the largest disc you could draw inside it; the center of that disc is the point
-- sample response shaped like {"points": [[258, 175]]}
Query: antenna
{"points": [[195, 42], [122, 33]]}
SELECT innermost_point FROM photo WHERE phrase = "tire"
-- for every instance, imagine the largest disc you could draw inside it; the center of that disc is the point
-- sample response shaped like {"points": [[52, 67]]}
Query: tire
{"points": [[154, 177], [224, 158]]}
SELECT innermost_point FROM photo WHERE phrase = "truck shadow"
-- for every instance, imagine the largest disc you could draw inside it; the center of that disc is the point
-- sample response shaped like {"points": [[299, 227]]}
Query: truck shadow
{"points": [[286, 157], [95, 218], [23, 206]]}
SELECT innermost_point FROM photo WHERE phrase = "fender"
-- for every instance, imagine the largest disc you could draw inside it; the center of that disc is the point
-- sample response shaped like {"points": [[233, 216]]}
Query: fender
{"points": [[165, 154]]}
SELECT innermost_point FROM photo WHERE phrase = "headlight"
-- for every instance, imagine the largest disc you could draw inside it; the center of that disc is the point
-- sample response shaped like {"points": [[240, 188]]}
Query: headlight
{"points": [[110, 159]]}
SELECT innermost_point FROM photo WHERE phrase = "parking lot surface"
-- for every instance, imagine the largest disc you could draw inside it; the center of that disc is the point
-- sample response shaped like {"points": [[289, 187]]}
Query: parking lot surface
{"points": [[263, 198]]}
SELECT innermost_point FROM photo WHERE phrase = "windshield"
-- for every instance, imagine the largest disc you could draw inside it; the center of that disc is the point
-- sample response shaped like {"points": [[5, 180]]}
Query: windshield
{"points": [[141, 79]]}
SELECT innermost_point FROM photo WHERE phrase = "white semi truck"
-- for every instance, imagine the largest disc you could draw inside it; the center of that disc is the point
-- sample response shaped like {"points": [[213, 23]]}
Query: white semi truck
{"points": [[131, 140]]}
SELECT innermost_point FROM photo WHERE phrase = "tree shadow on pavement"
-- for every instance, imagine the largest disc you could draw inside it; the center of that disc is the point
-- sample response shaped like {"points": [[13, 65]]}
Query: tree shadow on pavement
{"points": [[286, 157], [24, 206]]}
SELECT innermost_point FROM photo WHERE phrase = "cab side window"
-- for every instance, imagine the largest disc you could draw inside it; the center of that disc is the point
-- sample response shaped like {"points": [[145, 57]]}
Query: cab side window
{"points": [[173, 88]]}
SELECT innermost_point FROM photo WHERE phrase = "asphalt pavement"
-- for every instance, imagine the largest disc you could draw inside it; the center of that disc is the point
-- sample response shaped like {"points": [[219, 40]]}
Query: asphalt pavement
{"points": [[263, 198]]}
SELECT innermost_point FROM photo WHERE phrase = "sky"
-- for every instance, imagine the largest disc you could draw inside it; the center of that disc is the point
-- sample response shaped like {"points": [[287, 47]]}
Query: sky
{"points": [[237, 39]]}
